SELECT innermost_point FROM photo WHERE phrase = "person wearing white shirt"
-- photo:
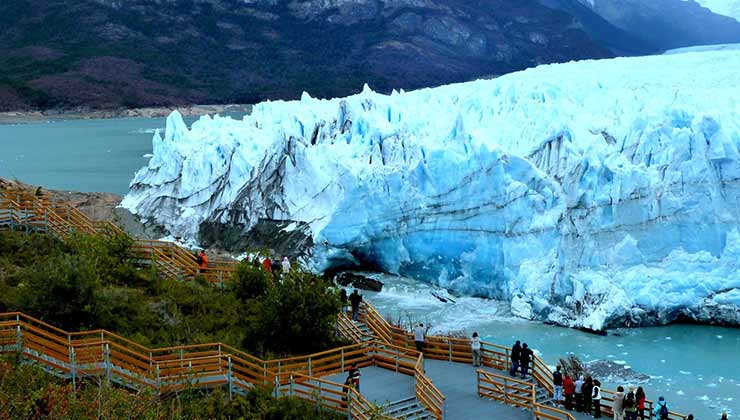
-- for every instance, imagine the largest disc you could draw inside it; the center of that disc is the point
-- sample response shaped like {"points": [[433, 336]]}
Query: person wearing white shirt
{"points": [[475, 347], [419, 338]]}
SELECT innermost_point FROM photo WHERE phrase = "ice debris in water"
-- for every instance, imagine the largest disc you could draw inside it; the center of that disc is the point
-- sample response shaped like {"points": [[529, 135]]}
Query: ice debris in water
{"points": [[589, 194]]}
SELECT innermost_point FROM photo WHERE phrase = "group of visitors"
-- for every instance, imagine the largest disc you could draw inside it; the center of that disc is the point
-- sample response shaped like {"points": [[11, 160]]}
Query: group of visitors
{"points": [[270, 266], [521, 359]]}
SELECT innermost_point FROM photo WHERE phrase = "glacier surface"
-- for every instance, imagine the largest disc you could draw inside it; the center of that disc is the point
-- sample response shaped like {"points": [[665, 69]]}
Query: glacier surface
{"points": [[590, 194]]}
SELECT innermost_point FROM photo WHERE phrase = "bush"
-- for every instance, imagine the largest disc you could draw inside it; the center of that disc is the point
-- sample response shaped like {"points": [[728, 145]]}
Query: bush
{"points": [[28, 392], [89, 282]]}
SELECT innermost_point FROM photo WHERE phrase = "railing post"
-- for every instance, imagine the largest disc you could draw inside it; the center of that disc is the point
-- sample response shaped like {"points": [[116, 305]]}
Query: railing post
{"points": [[290, 388], [506, 391], [310, 371], [397, 356], [159, 381], [230, 380], [219, 357], [342, 358], [18, 334], [349, 403], [73, 369], [181, 359], [477, 382], [107, 363], [449, 346]]}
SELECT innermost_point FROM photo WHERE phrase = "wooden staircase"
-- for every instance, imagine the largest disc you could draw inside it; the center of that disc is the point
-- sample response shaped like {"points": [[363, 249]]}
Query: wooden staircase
{"points": [[21, 209]]}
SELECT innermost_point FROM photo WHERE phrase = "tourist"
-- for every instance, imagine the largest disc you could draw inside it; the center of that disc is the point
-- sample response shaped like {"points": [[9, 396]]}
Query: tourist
{"points": [[690, 417], [724, 416], [569, 389], [641, 397], [618, 404], [516, 351], [579, 393], [285, 265], [354, 374], [355, 299], [475, 347], [419, 337], [557, 381], [630, 404], [524, 359], [348, 384], [661, 409], [267, 264], [202, 260], [588, 388], [596, 398], [343, 299]]}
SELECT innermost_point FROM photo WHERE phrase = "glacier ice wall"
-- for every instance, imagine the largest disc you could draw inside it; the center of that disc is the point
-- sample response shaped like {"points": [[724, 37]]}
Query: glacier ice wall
{"points": [[590, 194]]}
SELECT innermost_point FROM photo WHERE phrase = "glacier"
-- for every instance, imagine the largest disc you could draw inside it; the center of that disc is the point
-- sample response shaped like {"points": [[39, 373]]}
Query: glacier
{"points": [[590, 194]]}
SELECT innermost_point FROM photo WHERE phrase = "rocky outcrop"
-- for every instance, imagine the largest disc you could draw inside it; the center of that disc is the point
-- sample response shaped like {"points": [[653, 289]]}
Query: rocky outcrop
{"points": [[357, 281]]}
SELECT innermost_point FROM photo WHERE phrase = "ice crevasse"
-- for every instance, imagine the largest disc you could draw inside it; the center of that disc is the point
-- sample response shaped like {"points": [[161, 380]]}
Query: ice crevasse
{"points": [[590, 194]]}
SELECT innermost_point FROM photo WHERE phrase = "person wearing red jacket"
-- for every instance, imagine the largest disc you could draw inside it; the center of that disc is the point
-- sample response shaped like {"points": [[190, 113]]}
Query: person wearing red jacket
{"points": [[569, 390]]}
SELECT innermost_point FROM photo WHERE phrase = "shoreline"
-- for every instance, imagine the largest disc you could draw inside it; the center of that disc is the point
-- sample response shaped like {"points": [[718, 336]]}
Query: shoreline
{"points": [[50, 115]]}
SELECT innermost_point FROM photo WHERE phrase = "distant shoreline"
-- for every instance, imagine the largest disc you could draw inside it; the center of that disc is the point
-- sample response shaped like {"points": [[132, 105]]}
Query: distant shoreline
{"points": [[30, 117]]}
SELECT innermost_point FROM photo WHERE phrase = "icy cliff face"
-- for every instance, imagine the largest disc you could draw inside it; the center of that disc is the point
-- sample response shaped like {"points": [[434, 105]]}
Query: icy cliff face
{"points": [[590, 194]]}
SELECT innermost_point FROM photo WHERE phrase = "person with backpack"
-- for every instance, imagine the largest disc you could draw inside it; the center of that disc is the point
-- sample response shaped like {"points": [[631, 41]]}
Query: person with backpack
{"points": [[354, 374], [641, 398], [661, 409], [579, 393], [516, 351], [355, 299], [343, 299], [202, 260], [557, 381], [569, 389], [475, 348], [525, 357], [618, 404], [596, 399], [630, 404], [348, 384], [724, 416]]}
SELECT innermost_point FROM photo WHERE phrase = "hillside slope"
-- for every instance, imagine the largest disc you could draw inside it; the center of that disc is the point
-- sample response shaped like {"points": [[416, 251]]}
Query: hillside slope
{"points": [[106, 54]]}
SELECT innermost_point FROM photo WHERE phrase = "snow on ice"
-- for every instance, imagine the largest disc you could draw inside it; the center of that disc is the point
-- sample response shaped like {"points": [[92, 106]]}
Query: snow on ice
{"points": [[591, 194]]}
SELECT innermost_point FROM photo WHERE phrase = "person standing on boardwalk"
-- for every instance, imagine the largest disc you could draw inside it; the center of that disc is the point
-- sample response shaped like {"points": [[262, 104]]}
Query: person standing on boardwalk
{"points": [[588, 388], [419, 338], [354, 374], [579, 393], [267, 264], [343, 299], [630, 404], [355, 299], [525, 357], [569, 389], [202, 260], [348, 384], [661, 409], [475, 347], [618, 404], [641, 397], [516, 351], [285, 265], [557, 381], [596, 399]]}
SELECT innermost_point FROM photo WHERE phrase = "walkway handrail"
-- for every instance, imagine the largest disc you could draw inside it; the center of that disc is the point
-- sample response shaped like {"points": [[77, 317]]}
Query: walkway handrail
{"points": [[492, 355], [332, 395], [428, 394], [546, 412]]}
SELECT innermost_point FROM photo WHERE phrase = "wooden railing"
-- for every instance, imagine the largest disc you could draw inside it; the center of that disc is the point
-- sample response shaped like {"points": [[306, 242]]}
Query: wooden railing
{"points": [[100, 353], [507, 390], [546, 412], [493, 355], [20, 207], [428, 394]]}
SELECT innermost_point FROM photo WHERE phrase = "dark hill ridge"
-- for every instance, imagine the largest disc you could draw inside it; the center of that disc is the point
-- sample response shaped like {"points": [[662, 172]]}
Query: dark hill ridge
{"points": [[110, 54]]}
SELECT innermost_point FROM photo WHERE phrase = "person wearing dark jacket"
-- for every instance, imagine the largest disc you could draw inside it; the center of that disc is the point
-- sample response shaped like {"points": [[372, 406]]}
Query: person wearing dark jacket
{"points": [[516, 351], [355, 299], [588, 388], [557, 381], [343, 299], [524, 359]]}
